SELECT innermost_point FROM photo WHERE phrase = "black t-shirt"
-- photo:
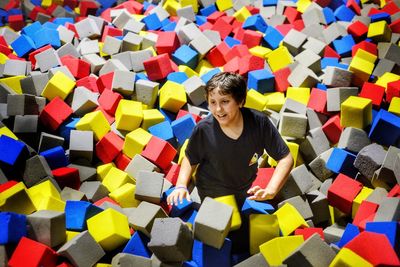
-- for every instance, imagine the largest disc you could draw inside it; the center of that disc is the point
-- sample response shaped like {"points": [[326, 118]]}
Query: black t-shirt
{"points": [[229, 166]]}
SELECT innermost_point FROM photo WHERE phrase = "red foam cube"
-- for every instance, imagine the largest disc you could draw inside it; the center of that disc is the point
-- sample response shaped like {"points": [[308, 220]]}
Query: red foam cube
{"points": [[108, 147], [87, 8], [7, 185], [251, 38], [391, 8], [233, 65], [109, 100], [183, 112], [32, 253], [394, 192], [292, 14], [16, 22], [298, 25], [67, 176], [216, 55], [342, 193], [90, 82], [167, 42], [317, 100], [374, 92], [237, 51], [223, 27], [173, 173], [121, 161], [263, 177], [99, 202], [110, 31], [366, 46], [212, 18], [330, 52], [358, 30], [353, 5], [158, 67], [365, 213], [78, 67], [250, 63], [55, 113], [308, 232], [395, 26], [333, 129], [35, 11], [393, 89], [281, 79], [105, 81], [160, 152]]}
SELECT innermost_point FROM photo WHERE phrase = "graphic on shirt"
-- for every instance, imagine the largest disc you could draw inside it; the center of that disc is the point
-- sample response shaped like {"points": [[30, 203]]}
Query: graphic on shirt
{"points": [[253, 159]]}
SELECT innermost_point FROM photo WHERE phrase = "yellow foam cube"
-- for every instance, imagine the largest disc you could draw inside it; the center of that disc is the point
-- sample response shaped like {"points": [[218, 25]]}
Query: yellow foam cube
{"points": [[172, 96], [223, 5], [109, 228], [45, 188], [356, 112], [203, 67], [102, 265], [129, 115], [289, 219], [379, 31], [182, 151], [364, 193], [255, 100], [14, 83], [348, 258], [71, 235], [171, 6], [361, 68], [125, 196], [16, 199], [103, 169], [116, 178], [263, 228], [335, 214], [259, 51], [187, 70], [302, 5], [151, 117], [59, 85], [242, 14], [48, 203], [96, 122], [294, 150], [135, 141], [102, 53], [3, 58], [386, 78], [394, 106], [275, 101], [279, 58], [361, 53], [277, 249], [192, 3], [230, 200], [300, 94], [4, 130], [46, 3]]}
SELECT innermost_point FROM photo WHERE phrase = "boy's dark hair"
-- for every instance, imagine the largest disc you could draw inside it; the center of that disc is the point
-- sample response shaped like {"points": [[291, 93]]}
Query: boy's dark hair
{"points": [[228, 83]]}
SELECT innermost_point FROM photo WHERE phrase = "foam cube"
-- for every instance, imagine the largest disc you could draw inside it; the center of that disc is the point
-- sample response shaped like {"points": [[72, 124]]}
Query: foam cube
{"points": [[115, 178], [143, 217], [96, 122], [129, 115], [159, 152], [341, 161], [76, 214], [172, 96], [384, 128], [158, 67], [14, 227], [137, 245], [135, 142], [263, 227], [108, 147], [289, 219], [276, 250], [149, 186], [43, 256], [369, 159], [124, 196], [59, 85]]}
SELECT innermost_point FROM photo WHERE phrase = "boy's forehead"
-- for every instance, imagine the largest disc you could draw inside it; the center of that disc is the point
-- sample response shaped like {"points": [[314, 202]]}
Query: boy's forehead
{"points": [[217, 91]]}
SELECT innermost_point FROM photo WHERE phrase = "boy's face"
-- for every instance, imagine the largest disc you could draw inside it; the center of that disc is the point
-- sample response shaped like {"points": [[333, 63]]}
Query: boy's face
{"points": [[224, 108]]}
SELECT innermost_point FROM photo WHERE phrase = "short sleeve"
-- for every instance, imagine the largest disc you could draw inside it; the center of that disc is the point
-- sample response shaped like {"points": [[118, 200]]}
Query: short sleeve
{"points": [[274, 143], [194, 150]]}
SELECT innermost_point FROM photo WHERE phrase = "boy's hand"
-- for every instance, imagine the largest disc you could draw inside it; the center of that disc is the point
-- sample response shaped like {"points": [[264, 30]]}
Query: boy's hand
{"points": [[261, 194], [178, 195]]}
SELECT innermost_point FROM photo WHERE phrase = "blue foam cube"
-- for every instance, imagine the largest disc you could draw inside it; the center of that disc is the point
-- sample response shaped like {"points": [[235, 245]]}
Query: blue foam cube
{"points": [[231, 42], [329, 15], [47, 36], [381, 16], [205, 255], [12, 152], [255, 23], [55, 157], [334, 4], [169, 27], [63, 21], [168, 115], [32, 29], [208, 10], [200, 20], [50, 25], [272, 38], [181, 208], [67, 127], [256, 207], [350, 232], [177, 77], [262, 81], [390, 229], [208, 75], [270, 2], [141, 76], [183, 128], [322, 86], [23, 45], [137, 245], [107, 3], [385, 128], [189, 216], [187, 56], [162, 130], [13, 227], [77, 213], [343, 13], [341, 161], [344, 45], [152, 22]]}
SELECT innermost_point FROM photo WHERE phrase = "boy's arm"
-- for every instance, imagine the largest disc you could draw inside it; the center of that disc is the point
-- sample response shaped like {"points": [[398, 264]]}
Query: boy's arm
{"points": [[181, 191]]}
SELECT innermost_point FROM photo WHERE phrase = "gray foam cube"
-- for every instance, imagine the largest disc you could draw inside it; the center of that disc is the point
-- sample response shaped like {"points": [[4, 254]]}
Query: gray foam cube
{"points": [[68, 49], [9, 35], [121, 20], [212, 222], [319, 206], [201, 44], [314, 119], [25, 123], [315, 143], [146, 92], [86, 172], [313, 252], [84, 101], [87, 47], [384, 65], [63, 69], [47, 59], [333, 31], [14, 67], [48, 141], [125, 58], [337, 77], [3, 256], [112, 65], [301, 76], [325, 186], [137, 59], [22, 105], [313, 15], [387, 173], [111, 45], [293, 106], [299, 182], [301, 205], [333, 233], [160, 12], [87, 28], [133, 26], [130, 260], [47, 227], [318, 165], [66, 35], [396, 168], [377, 196], [81, 145], [149, 40], [293, 125], [99, 22], [275, 20], [336, 96], [388, 210], [214, 36], [142, 218], [123, 82], [187, 33], [131, 42], [353, 139], [96, 62], [149, 186], [186, 12], [293, 40], [36, 169], [314, 45], [68, 193], [39, 80], [82, 250], [139, 163], [255, 260], [171, 240], [389, 51], [310, 60], [94, 190], [4, 92], [194, 87], [314, 31], [369, 159]]}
